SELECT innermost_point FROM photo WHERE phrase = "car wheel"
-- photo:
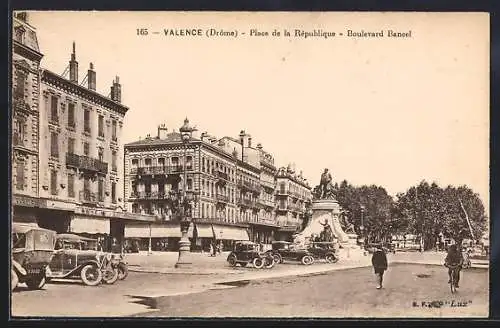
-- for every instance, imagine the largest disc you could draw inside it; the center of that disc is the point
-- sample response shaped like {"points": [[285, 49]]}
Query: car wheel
{"points": [[277, 258], [36, 282], [305, 260], [258, 263], [91, 275], [110, 276], [232, 260], [122, 271], [331, 258], [269, 262], [14, 280]]}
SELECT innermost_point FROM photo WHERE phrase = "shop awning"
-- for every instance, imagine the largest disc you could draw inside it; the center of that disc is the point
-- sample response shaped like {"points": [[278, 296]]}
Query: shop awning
{"points": [[230, 233], [204, 231], [90, 225], [142, 230]]}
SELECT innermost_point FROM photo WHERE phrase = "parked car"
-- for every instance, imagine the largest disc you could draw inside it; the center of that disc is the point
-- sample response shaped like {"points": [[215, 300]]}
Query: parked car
{"points": [[286, 251], [324, 250], [245, 252], [32, 251], [72, 259]]}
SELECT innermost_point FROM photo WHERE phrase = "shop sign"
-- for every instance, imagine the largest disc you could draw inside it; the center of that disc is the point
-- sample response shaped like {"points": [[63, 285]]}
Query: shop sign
{"points": [[26, 201]]}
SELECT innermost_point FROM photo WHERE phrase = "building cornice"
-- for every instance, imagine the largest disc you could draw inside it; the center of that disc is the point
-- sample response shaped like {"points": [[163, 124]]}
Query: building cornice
{"points": [[60, 82], [26, 51]]}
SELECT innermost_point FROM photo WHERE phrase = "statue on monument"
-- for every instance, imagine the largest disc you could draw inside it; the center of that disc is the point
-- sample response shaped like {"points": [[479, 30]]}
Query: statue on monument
{"points": [[327, 233], [325, 190]]}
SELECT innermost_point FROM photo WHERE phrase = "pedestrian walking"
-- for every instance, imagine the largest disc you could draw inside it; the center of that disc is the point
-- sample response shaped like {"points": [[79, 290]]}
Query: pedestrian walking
{"points": [[211, 249], [379, 262]]}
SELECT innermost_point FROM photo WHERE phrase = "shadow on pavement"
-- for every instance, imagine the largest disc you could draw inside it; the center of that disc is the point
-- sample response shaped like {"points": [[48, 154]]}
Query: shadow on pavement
{"points": [[150, 302]]}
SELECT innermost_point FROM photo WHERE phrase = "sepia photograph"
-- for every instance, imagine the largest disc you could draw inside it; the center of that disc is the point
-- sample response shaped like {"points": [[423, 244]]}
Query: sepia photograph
{"points": [[249, 164]]}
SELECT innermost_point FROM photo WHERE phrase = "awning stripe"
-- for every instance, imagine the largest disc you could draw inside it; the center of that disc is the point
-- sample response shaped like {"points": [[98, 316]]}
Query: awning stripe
{"points": [[204, 231], [90, 225], [142, 230], [230, 233]]}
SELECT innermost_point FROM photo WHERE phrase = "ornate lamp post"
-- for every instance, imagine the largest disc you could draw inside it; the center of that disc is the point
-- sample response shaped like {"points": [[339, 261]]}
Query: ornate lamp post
{"points": [[186, 199], [362, 227]]}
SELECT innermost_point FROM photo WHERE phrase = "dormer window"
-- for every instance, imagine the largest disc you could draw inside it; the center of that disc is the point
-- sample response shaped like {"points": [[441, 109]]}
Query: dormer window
{"points": [[19, 33]]}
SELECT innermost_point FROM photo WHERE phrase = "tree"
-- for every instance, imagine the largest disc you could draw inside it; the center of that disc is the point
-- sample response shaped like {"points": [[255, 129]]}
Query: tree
{"points": [[427, 210]]}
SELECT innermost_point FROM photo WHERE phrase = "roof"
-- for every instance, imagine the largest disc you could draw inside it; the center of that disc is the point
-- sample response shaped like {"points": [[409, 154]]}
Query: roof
{"points": [[25, 227], [170, 138], [72, 237]]}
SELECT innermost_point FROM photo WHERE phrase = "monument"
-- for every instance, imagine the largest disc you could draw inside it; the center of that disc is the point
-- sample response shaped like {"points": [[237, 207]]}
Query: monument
{"points": [[325, 224]]}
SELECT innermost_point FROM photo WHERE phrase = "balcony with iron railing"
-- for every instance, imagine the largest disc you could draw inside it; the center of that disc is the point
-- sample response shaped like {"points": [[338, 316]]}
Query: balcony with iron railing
{"points": [[222, 176], [250, 186], [296, 207], [267, 184], [149, 195], [86, 163], [160, 169], [266, 202], [282, 192], [222, 198], [88, 197]]}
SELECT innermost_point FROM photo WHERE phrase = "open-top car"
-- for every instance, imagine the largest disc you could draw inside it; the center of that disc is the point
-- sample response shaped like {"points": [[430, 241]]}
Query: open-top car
{"points": [[73, 259], [324, 250], [285, 251], [245, 252], [32, 251]]}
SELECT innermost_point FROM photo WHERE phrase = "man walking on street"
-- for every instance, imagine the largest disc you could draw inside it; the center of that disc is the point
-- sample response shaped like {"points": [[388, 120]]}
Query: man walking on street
{"points": [[379, 262]]}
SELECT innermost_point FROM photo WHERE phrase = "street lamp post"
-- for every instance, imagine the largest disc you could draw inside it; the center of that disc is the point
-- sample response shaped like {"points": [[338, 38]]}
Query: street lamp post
{"points": [[186, 132], [362, 227]]}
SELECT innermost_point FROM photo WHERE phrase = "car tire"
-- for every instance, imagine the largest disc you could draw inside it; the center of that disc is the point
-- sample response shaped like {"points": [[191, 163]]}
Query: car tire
{"points": [[331, 258], [14, 280], [36, 282], [258, 263], [232, 260], [307, 260], [269, 262], [122, 271], [110, 276], [91, 275], [278, 258]]}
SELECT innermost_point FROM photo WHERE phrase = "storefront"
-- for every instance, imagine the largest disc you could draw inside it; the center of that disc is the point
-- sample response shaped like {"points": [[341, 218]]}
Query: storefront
{"points": [[25, 209], [229, 234], [263, 233], [203, 236], [156, 236]]}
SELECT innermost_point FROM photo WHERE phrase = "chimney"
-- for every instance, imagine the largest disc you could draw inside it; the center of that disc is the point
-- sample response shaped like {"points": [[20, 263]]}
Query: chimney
{"points": [[91, 77], [116, 90], [249, 142], [204, 136], [259, 146], [73, 66], [242, 137], [162, 131]]}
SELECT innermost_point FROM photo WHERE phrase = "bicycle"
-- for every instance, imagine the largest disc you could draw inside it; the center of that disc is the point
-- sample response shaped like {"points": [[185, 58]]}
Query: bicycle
{"points": [[453, 278]]}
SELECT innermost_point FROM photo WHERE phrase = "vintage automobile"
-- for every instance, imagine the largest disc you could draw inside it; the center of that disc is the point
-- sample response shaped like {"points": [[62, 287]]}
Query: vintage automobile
{"points": [[32, 251], [73, 259], [285, 251], [245, 252], [324, 250]]}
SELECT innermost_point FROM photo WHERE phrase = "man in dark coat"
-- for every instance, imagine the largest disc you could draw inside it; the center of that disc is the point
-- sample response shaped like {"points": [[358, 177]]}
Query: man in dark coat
{"points": [[379, 262], [326, 178]]}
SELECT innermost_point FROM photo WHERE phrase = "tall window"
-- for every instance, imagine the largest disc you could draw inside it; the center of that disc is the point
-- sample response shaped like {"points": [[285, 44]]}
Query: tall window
{"points": [[20, 84], [113, 161], [71, 185], [113, 130], [71, 114], [71, 145], [53, 182], [54, 146], [86, 120], [86, 148], [86, 184], [100, 154], [113, 192], [19, 34], [54, 117], [19, 131], [189, 162], [100, 126], [100, 189], [20, 175]]}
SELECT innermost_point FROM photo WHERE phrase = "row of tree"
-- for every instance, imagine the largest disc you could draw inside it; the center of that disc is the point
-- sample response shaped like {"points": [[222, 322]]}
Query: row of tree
{"points": [[425, 210]]}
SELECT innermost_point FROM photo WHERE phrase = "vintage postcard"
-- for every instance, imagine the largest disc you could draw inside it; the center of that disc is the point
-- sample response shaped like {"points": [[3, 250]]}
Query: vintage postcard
{"points": [[250, 164]]}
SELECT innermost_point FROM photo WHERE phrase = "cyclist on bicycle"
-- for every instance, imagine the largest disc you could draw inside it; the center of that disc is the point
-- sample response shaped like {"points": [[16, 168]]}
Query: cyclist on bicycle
{"points": [[454, 261]]}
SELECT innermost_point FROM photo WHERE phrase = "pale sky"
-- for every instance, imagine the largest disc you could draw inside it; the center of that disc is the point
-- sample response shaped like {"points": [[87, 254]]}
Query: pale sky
{"points": [[390, 112]]}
